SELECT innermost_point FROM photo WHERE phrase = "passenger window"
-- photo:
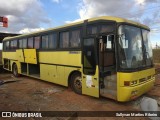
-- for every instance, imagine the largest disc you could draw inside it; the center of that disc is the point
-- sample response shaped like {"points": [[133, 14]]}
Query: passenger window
{"points": [[15, 44], [64, 40], [4, 46], [52, 41], [7, 45], [75, 38], [37, 42], [92, 30], [12, 45], [45, 42], [106, 28], [20, 43], [24, 43], [30, 42]]}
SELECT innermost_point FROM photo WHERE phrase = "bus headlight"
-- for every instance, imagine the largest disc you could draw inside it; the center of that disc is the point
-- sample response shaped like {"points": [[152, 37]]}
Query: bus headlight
{"points": [[134, 92]]}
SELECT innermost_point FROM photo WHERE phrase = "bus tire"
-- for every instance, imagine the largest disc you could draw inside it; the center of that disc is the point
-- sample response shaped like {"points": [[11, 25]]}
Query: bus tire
{"points": [[15, 70], [76, 83]]}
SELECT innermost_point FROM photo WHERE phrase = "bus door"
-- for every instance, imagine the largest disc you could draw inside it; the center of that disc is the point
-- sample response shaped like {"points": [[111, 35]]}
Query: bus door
{"points": [[107, 66], [90, 74]]}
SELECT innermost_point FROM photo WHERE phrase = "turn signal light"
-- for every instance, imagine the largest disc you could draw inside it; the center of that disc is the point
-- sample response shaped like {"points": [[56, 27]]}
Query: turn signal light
{"points": [[126, 83], [134, 82]]}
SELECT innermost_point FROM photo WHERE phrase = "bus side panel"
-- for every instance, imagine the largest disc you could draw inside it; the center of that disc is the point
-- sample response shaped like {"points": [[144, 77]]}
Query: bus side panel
{"points": [[20, 55], [56, 74], [61, 76], [9, 55], [68, 58], [63, 73], [48, 72], [65, 62], [30, 56]]}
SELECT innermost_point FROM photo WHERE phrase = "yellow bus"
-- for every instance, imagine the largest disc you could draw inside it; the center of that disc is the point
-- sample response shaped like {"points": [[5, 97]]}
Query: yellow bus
{"points": [[105, 56]]}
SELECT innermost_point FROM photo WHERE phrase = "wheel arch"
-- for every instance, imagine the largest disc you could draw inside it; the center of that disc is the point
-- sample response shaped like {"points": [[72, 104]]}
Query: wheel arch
{"points": [[70, 75], [12, 69]]}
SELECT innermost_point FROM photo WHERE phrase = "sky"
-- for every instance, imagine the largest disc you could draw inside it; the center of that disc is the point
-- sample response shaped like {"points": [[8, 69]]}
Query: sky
{"points": [[33, 15]]}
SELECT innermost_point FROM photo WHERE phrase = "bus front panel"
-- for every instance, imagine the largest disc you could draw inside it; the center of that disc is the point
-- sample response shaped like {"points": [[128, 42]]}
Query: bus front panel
{"points": [[134, 84]]}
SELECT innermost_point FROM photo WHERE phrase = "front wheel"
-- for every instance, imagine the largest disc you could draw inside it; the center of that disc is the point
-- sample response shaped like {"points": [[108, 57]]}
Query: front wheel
{"points": [[76, 83], [15, 70]]}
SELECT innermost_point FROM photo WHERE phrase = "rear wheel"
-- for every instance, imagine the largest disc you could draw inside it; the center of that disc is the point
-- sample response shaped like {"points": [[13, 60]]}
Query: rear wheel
{"points": [[76, 83], [15, 70]]}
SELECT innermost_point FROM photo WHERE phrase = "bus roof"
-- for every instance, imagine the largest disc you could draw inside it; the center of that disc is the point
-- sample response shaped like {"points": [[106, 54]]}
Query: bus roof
{"points": [[116, 19]]}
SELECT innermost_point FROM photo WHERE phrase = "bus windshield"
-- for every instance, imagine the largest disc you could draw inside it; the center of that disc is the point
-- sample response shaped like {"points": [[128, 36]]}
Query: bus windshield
{"points": [[134, 47]]}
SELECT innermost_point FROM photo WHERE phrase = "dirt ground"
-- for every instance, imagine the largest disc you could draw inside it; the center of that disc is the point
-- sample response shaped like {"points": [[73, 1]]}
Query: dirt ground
{"points": [[28, 94]]}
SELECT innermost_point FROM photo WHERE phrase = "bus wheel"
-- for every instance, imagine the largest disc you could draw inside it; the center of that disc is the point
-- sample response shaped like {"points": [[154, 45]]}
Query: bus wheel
{"points": [[76, 83], [15, 70]]}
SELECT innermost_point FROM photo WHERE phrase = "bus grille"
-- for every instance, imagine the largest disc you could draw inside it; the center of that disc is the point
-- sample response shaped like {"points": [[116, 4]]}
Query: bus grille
{"points": [[144, 79]]}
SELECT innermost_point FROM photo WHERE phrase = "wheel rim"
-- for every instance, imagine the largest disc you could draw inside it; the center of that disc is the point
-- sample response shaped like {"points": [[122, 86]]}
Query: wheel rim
{"points": [[78, 83]]}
